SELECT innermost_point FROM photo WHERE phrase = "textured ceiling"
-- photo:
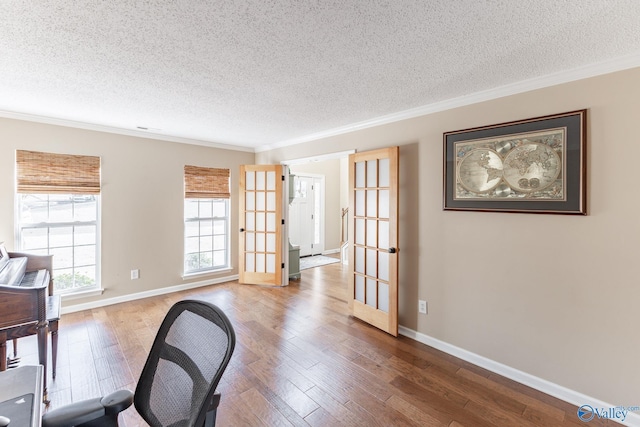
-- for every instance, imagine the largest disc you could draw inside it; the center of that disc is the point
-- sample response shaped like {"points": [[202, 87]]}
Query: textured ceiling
{"points": [[259, 73]]}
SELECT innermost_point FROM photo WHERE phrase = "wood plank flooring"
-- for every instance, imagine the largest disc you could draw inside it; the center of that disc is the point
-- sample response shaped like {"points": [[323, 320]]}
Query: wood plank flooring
{"points": [[300, 360]]}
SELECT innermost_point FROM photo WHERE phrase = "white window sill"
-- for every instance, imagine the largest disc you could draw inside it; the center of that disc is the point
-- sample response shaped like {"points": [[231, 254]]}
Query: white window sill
{"points": [[197, 274], [82, 294]]}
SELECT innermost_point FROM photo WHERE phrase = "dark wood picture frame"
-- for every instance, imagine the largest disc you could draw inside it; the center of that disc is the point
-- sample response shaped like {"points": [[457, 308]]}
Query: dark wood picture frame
{"points": [[536, 165]]}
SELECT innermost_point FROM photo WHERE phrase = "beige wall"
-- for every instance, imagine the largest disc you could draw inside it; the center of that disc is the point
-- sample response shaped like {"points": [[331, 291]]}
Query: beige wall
{"points": [[142, 199], [551, 295], [333, 183]]}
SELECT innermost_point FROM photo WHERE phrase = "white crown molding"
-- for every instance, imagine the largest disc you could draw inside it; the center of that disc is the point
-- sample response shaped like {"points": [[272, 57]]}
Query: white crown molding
{"points": [[146, 294], [591, 70], [119, 131], [575, 398]]}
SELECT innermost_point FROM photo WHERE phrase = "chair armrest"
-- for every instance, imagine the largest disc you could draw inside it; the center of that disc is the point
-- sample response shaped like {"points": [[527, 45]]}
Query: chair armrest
{"points": [[215, 401], [117, 401], [88, 410]]}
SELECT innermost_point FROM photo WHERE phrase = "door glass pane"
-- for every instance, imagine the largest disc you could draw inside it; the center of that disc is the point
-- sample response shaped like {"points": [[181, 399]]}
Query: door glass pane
{"points": [[359, 282], [383, 236], [360, 175], [260, 221], [250, 180], [372, 229], [384, 173], [372, 173], [271, 222], [359, 267], [260, 203], [250, 222], [271, 242], [260, 267], [371, 293], [271, 181], [360, 203], [249, 262], [383, 297], [383, 266], [271, 201], [372, 202], [260, 181], [250, 242], [360, 231], [271, 263], [384, 204], [372, 263], [260, 243], [250, 201]]}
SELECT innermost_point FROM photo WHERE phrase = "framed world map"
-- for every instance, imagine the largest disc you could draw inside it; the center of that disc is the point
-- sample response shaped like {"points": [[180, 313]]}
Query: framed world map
{"points": [[535, 165]]}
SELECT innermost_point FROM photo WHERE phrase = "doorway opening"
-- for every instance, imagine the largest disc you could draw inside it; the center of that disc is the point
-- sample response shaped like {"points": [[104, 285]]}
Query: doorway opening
{"points": [[307, 213], [319, 196]]}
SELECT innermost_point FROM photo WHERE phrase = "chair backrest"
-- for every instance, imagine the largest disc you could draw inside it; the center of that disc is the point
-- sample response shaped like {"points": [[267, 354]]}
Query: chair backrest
{"points": [[190, 352]]}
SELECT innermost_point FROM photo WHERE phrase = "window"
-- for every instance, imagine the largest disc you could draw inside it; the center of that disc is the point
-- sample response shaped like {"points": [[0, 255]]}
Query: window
{"points": [[206, 217], [65, 226], [58, 198], [206, 234]]}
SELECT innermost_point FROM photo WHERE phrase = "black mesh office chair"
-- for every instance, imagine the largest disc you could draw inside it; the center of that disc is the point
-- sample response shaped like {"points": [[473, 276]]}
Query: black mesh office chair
{"points": [[177, 384]]}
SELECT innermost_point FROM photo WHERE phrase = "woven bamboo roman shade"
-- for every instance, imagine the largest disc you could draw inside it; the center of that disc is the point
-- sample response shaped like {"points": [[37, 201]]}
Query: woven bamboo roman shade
{"points": [[206, 183], [57, 173]]}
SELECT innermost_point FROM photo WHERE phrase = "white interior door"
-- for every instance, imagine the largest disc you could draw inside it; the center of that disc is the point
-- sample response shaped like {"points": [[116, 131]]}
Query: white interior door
{"points": [[261, 225], [306, 219], [373, 260]]}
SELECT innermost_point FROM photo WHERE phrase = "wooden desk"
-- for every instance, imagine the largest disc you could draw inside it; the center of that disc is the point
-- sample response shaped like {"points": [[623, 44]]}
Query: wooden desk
{"points": [[19, 388]]}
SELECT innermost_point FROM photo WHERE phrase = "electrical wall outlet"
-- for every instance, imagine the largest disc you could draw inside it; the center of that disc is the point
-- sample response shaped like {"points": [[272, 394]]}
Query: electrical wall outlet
{"points": [[135, 274], [422, 306]]}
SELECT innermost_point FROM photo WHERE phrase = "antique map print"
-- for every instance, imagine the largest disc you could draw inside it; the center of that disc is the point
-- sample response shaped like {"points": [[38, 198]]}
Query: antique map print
{"points": [[526, 166]]}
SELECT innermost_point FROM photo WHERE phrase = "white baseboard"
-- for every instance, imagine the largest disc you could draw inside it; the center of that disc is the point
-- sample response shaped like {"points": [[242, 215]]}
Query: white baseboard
{"points": [[331, 251], [555, 390], [145, 294]]}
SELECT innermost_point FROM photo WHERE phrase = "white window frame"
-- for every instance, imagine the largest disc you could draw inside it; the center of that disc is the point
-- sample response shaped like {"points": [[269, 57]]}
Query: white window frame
{"points": [[20, 225], [227, 237]]}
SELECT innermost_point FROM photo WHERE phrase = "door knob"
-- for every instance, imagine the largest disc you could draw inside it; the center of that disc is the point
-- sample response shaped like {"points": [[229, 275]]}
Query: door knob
{"points": [[242, 230], [392, 250]]}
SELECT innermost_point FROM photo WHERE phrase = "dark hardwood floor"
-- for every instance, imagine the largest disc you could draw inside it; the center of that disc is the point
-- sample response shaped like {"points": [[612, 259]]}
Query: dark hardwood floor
{"points": [[299, 360]]}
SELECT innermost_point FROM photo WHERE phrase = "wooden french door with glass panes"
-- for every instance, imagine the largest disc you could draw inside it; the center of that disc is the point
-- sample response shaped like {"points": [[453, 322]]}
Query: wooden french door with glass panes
{"points": [[373, 259], [260, 242]]}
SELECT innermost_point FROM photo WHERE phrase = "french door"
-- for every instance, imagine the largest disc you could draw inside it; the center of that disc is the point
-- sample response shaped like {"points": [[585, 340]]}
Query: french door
{"points": [[373, 259], [261, 216]]}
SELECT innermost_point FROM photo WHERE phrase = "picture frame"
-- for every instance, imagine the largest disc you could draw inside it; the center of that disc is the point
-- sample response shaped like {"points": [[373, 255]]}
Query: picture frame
{"points": [[535, 165]]}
